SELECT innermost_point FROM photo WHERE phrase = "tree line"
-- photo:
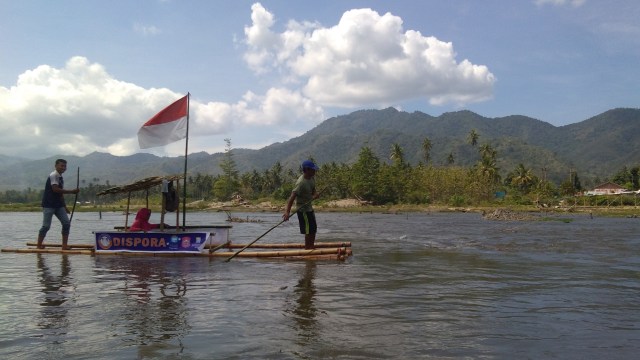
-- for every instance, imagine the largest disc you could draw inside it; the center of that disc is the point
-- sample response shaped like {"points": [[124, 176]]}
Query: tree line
{"points": [[381, 180], [372, 179]]}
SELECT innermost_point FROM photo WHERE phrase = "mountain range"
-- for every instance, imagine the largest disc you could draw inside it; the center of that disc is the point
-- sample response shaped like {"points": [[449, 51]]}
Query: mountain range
{"points": [[595, 148]]}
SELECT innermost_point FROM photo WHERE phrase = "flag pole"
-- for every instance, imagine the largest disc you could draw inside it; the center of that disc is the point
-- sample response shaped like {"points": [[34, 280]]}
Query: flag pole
{"points": [[186, 152]]}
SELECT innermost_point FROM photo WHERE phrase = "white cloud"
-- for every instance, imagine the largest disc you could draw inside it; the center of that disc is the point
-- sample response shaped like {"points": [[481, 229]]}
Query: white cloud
{"points": [[260, 38], [146, 30], [79, 109], [279, 106], [366, 59]]}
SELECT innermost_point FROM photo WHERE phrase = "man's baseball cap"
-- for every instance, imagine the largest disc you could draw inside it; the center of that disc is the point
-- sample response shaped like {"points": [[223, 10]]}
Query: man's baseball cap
{"points": [[309, 164]]}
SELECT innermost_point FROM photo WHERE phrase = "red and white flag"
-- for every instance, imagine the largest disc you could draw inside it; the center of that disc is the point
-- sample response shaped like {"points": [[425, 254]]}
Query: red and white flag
{"points": [[165, 127]]}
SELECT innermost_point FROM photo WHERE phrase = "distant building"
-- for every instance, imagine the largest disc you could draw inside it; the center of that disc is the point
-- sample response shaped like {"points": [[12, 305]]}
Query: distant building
{"points": [[608, 188]]}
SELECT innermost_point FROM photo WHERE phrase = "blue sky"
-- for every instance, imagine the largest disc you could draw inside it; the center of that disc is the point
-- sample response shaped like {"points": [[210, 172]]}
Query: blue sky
{"points": [[78, 76]]}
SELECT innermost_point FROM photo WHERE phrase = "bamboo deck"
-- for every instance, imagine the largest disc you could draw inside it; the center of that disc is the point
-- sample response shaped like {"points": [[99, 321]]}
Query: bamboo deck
{"points": [[323, 251]]}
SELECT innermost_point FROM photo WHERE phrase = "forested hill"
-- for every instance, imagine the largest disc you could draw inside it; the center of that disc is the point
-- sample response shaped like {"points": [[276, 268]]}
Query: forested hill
{"points": [[595, 148]]}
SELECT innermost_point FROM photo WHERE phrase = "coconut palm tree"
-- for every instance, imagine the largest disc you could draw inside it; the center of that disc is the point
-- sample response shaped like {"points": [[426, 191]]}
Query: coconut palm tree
{"points": [[523, 178], [397, 154], [473, 137], [488, 168], [451, 159], [487, 151], [426, 149]]}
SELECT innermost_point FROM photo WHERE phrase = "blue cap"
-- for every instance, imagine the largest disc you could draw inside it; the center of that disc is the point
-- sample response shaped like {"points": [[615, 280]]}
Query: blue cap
{"points": [[309, 164]]}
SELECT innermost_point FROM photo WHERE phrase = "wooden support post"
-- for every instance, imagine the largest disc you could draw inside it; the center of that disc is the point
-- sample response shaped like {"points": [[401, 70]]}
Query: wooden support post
{"points": [[178, 207], [163, 205], [126, 217]]}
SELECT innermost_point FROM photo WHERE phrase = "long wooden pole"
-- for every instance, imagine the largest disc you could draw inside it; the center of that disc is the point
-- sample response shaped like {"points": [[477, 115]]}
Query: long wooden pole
{"points": [[251, 243], [186, 152], [75, 200], [317, 245], [301, 252], [220, 246]]}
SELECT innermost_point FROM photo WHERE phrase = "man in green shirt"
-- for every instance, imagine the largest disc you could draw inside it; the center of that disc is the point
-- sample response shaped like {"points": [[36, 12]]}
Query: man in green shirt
{"points": [[304, 193]]}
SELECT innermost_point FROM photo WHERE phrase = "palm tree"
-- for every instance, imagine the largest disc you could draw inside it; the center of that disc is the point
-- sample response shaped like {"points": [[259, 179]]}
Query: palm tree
{"points": [[488, 169], [426, 149], [487, 151], [397, 154], [473, 137], [523, 178], [451, 159]]}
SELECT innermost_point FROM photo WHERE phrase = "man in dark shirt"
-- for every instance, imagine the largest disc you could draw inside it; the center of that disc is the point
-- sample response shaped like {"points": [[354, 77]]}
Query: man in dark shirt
{"points": [[53, 204], [304, 193]]}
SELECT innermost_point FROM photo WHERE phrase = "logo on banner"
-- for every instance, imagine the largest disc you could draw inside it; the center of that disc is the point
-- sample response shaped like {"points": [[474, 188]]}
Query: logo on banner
{"points": [[104, 241]]}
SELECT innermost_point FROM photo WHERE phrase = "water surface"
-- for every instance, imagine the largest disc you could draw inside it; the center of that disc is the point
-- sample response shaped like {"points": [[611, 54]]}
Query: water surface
{"points": [[428, 286]]}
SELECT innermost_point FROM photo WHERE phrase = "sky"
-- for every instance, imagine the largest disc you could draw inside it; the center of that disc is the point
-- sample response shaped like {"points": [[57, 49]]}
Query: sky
{"points": [[78, 76]]}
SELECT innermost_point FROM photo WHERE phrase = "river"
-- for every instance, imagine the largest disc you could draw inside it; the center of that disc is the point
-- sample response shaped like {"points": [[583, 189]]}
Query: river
{"points": [[419, 286]]}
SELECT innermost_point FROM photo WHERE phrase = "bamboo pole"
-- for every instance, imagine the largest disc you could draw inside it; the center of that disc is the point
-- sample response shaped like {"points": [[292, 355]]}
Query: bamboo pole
{"points": [[283, 253], [178, 207], [288, 245], [190, 227], [335, 256], [316, 254], [214, 248], [49, 251], [163, 204], [73, 246], [126, 217]]}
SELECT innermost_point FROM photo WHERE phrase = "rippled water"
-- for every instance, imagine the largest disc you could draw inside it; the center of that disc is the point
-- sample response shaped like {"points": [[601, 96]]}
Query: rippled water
{"points": [[441, 286]]}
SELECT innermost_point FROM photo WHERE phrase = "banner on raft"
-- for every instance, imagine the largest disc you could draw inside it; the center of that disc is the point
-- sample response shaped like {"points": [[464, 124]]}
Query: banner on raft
{"points": [[151, 241]]}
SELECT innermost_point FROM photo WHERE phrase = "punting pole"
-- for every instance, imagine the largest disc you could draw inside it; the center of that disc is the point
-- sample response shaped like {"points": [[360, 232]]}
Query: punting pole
{"points": [[75, 201]]}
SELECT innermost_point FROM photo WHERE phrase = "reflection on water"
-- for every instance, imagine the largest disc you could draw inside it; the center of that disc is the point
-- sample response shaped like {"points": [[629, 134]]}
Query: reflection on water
{"points": [[304, 311], [56, 289], [149, 309]]}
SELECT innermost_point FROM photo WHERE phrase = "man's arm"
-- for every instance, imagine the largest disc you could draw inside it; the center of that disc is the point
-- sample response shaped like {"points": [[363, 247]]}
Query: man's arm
{"points": [[57, 189], [290, 201]]}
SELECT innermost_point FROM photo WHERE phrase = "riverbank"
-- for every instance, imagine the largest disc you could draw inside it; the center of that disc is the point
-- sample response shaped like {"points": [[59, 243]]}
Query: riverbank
{"points": [[356, 206]]}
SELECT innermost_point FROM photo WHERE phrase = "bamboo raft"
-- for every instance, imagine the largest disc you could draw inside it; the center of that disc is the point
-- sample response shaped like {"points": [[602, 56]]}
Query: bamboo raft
{"points": [[292, 251]]}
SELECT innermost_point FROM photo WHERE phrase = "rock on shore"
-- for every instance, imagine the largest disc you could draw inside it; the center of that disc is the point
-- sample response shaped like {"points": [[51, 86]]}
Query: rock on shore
{"points": [[506, 214]]}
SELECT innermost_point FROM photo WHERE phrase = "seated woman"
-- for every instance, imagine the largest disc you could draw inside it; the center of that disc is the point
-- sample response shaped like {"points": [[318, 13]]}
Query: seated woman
{"points": [[141, 223]]}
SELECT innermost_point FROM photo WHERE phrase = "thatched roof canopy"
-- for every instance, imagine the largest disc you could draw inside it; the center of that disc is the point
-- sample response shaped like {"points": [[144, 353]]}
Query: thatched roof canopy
{"points": [[142, 184]]}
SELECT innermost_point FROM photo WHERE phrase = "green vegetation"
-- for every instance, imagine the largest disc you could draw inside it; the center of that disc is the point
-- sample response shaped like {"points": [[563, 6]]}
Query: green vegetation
{"points": [[466, 161], [372, 181], [595, 149]]}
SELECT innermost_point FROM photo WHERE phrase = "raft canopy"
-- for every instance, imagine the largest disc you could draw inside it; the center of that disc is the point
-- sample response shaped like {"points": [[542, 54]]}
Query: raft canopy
{"points": [[143, 184]]}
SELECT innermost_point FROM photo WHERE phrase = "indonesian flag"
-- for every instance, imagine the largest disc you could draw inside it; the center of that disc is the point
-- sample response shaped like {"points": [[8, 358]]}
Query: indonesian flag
{"points": [[165, 127]]}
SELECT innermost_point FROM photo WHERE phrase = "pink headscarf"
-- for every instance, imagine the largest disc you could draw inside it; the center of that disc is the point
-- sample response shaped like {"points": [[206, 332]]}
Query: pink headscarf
{"points": [[141, 223]]}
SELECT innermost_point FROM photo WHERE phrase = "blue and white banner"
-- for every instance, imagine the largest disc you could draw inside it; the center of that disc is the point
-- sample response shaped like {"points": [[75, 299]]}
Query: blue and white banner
{"points": [[151, 241]]}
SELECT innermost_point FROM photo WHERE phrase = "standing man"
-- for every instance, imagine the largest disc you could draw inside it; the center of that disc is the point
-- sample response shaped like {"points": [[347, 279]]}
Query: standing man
{"points": [[303, 193], [53, 204]]}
